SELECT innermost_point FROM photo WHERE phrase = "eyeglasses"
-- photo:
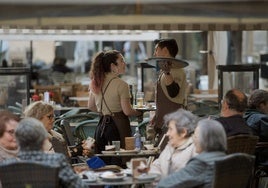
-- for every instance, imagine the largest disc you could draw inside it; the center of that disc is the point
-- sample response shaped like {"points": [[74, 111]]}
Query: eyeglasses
{"points": [[11, 132], [51, 116]]}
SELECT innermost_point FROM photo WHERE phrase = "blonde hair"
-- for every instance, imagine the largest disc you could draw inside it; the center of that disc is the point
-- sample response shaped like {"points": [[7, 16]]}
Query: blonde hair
{"points": [[38, 110]]}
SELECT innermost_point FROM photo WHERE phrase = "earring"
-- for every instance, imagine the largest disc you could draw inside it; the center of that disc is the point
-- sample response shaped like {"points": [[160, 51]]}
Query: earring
{"points": [[115, 70]]}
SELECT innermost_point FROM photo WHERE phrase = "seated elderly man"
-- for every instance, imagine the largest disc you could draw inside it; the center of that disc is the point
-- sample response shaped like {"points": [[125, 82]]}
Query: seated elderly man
{"points": [[31, 137], [233, 106], [210, 143], [257, 119], [257, 114]]}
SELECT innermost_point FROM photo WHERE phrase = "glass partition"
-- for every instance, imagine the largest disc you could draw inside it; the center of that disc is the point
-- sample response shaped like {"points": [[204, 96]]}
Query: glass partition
{"points": [[244, 77], [14, 88]]}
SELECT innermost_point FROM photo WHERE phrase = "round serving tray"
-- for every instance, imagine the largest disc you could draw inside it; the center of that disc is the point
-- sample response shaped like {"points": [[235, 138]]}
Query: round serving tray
{"points": [[175, 63]]}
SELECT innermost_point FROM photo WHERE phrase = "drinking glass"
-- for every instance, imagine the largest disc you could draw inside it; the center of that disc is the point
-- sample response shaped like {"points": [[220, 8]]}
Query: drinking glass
{"points": [[140, 99]]}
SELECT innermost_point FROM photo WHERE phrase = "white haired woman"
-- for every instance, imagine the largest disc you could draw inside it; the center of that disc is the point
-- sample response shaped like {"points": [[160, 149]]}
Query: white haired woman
{"points": [[210, 142], [180, 148]]}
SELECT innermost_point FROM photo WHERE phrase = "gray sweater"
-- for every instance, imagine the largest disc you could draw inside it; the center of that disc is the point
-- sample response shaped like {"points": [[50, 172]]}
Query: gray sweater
{"points": [[198, 172]]}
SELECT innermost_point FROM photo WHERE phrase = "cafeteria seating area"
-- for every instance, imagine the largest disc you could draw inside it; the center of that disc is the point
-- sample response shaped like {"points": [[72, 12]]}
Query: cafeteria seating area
{"points": [[216, 138]]}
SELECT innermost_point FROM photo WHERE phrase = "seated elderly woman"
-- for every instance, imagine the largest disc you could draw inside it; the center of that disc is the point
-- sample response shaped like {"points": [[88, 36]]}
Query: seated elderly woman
{"points": [[8, 144], [45, 113], [31, 137], [180, 148], [210, 142]]}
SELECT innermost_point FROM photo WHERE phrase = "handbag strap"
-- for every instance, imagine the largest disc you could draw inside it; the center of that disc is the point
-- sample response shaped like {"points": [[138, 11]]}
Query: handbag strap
{"points": [[103, 98]]}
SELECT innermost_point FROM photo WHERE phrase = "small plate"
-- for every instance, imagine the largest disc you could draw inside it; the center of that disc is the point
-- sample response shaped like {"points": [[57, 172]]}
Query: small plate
{"points": [[89, 177], [147, 177], [114, 177], [145, 109], [153, 151], [108, 152], [90, 180]]}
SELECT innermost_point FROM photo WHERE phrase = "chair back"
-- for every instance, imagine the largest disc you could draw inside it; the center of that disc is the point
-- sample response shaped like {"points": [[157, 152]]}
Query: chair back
{"points": [[242, 144], [67, 132], [82, 94], [60, 146], [142, 127], [74, 118], [261, 164], [71, 112], [86, 129], [23, 174], [234, 170], [57, 77]]}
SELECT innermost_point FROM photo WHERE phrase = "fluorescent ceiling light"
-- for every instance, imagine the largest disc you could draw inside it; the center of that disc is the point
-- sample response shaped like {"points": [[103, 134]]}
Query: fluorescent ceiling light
{"points": [[110, 1], [75, 35]]}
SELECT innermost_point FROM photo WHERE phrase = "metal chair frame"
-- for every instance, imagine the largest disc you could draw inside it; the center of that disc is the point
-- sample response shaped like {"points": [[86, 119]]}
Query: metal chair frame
{"points": [[86, 129]]}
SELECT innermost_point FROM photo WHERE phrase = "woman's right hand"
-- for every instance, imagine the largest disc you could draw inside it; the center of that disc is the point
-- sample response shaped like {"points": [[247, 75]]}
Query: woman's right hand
{"points": [[140, 117]]}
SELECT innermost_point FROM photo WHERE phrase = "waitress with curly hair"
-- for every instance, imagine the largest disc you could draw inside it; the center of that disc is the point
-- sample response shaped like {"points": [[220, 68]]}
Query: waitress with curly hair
{"points": [[110, 96]]}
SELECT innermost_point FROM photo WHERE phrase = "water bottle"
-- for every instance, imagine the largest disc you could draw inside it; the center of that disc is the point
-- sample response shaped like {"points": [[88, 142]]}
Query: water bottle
{"points": [[137, 136], [46, 97]]}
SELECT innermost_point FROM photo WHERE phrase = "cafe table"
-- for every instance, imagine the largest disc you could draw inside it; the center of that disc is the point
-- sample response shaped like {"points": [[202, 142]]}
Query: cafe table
{"points": [[205, 96], [121, 178], [129, 153], [126, 181], [79, 98]]}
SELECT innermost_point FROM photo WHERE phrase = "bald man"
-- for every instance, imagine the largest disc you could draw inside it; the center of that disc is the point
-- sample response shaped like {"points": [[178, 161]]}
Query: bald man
{"points": [[233, 106]]}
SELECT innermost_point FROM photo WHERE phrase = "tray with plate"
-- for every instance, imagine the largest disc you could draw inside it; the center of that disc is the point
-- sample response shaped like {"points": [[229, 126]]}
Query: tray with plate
{"points": [[110, 176], [175, 63], [145, 108], [147, 177], [127, 152]]}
